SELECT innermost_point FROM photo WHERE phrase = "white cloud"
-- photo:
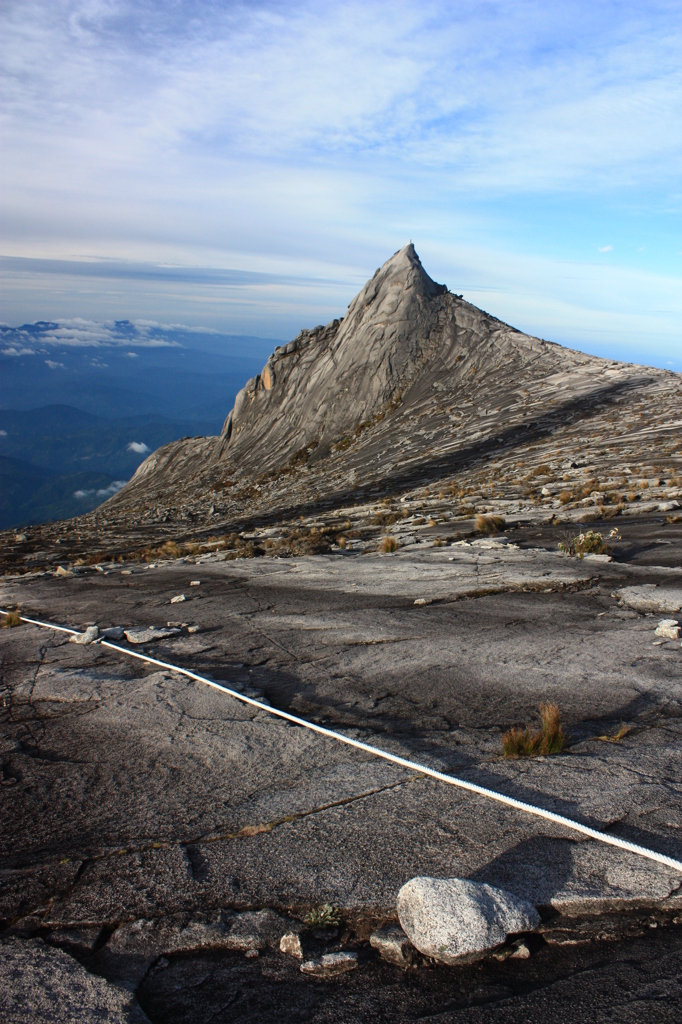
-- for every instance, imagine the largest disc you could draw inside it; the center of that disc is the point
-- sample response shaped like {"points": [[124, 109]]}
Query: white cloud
{"points": [[3, 433], [605, 248], [80, 333], [103, 492], [311, 137], [133, 355], [54, 365], [113, 487], [138, 446]]}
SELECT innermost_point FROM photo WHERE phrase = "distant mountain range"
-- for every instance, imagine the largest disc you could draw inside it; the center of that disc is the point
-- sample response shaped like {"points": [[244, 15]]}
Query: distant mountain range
{"points": [[77, 420]]}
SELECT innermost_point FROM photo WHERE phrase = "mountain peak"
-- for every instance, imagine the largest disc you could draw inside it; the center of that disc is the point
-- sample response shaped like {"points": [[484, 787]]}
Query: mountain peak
{"points": [[402, 277], [410, 372]]}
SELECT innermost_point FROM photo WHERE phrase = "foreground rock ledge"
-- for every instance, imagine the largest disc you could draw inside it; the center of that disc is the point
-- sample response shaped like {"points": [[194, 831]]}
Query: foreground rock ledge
{"points": [[455, 921]]}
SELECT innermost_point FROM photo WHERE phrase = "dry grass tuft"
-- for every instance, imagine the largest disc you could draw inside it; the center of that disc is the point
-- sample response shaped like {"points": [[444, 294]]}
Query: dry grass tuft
{"points": [[617, 736], [389, 545], [490, 524], [548, 739], [11, 619]]}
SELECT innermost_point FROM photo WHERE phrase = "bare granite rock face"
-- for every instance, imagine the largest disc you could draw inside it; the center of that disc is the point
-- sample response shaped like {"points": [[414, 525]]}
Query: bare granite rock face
{"points": [[40, 985], [455, 920], [411, 367]]}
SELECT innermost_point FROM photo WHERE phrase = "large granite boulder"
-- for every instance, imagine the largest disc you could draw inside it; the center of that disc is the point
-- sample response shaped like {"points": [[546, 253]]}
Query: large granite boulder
{"points": [[456, 921]]}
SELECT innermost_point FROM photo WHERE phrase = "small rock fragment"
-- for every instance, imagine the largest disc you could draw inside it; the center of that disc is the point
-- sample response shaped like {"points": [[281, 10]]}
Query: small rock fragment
{"points": [[456, 920], [254, 929], [113, 633], [291, 944], [251, 954], [193, 629], [178, 599], [61, 571], [649, 597], [145, 635], [330, 964], [669, 628], [521, 951], [393, 945], [90, 634], [421, 601], [195, 583]]}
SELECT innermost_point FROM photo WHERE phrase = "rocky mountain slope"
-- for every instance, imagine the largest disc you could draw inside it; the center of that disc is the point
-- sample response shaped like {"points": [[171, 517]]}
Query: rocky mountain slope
{"points": [[420, 400]]}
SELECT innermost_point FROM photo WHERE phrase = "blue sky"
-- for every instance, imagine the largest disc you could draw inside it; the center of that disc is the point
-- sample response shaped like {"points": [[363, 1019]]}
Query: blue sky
{"points": [[245, 167]]}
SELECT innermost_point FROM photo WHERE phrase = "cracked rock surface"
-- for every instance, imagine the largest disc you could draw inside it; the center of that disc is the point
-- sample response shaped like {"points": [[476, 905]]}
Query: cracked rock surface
{"points": [[384, 536], [145, 816]]}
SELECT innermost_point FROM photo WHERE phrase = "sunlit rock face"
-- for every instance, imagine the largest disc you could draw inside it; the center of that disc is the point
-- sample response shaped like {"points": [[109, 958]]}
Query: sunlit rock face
{"points": [[413, 384], [328, 380]]}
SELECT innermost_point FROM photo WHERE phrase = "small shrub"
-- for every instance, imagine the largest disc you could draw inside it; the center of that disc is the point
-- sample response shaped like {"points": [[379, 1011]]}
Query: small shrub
{"points": [[325, 916], [565, 497], [389, 545], [11, 619], [548, 739], [490, 524], [590, 543], [542, 470]]}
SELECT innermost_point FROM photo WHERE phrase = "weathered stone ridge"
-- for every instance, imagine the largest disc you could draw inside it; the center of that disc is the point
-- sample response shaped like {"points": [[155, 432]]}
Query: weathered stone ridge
{"points": [[411, 383]]}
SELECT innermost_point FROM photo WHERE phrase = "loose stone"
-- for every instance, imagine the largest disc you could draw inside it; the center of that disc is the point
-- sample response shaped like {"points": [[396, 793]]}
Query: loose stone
{"points": [[90, 634], [393, 945], [456, 920], [330, 964], [669, 628], [291, 944]]}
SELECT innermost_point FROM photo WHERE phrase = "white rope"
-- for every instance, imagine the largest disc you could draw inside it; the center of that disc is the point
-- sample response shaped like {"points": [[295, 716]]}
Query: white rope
{"points": [[472, 787]]}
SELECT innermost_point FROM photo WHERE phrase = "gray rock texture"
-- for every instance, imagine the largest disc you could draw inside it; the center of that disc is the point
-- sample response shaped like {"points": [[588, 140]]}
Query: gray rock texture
{"points": [[87, 637], [456, 920], [40, 985], [649, 597], [330, 964], [393, 945], [146, 635], [348, 528], [411, 368]]}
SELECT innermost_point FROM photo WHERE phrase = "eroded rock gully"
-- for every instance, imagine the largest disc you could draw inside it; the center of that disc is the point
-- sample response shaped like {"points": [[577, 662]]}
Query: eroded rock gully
{"points": [[161, 834]]}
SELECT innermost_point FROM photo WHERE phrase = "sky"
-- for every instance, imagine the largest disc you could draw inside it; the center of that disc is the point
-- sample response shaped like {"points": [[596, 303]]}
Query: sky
{"points": [[243, 168]]}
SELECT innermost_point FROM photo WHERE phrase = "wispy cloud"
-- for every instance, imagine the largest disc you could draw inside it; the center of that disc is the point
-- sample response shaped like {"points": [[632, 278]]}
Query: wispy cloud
{"points": [[102, 492], [138, 446], [79, 333], [219, 162], [605, 248], [54, 365]]}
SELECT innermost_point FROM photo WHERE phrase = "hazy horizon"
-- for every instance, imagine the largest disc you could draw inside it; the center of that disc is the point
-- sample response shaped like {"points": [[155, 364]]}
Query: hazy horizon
{"points": [[245, 168]]}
